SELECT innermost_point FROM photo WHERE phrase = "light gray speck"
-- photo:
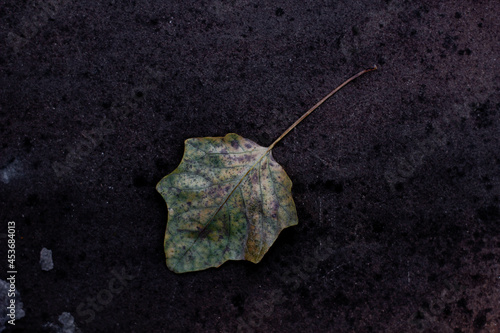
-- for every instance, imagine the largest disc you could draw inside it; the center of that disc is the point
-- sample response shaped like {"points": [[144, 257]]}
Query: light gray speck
{"points": [[46, 259], [68, 322], [10, 171]]}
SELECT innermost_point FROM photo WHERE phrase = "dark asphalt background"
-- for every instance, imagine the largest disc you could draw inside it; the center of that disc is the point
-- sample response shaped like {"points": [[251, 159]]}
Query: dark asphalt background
{"points": [[396, 178]]}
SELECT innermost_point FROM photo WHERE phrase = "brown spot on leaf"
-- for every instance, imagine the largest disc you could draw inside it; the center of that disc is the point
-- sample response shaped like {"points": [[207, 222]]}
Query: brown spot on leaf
{"points": [[204, 233], [254, 177]]}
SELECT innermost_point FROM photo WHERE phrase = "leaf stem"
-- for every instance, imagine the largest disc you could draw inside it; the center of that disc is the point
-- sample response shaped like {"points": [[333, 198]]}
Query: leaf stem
{"points": [[318, 104]]}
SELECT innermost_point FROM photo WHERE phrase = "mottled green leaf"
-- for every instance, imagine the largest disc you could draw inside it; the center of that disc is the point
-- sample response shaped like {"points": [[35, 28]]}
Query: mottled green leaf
{"points": [[227, 200]]}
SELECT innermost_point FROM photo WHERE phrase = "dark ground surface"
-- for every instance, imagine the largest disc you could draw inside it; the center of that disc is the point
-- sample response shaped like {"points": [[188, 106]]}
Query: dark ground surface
{"points": [[396, 179]]}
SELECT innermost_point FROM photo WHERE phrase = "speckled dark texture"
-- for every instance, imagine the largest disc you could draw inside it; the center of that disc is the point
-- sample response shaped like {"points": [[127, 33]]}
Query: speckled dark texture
{"points": [[396, 179]]}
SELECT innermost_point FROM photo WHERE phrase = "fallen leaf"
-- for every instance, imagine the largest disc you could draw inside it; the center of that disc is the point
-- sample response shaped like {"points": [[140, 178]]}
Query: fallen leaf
{"points": [[227, 200]]}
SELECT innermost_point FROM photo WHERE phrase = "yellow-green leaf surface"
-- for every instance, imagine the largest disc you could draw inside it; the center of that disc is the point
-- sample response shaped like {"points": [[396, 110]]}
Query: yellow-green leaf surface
{"points": [[227, 200]]}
